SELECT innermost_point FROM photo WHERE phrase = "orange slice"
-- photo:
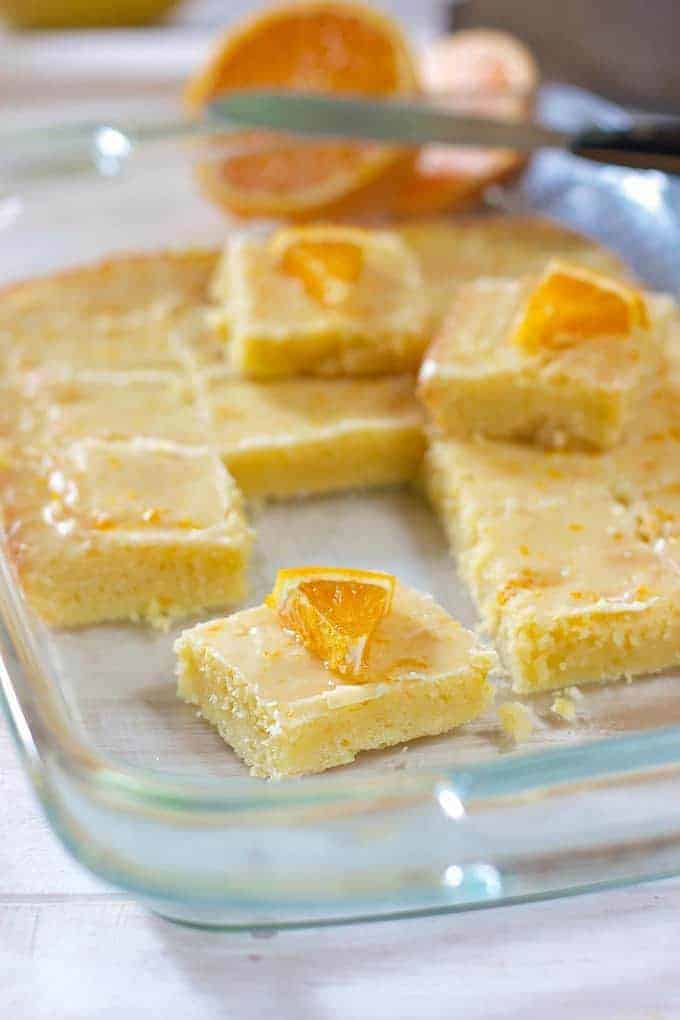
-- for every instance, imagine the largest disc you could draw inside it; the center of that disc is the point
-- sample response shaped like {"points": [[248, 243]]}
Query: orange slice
{"points": [[473, 71], [331, 46], [572, 304], [326, 260], [447, 178], [333, 611]]}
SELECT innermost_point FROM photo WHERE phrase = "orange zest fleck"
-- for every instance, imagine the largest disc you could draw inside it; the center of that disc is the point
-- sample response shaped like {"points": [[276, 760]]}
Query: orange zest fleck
{"points": [[152, 515], [525, 579], [103, 522], [187, 523]]}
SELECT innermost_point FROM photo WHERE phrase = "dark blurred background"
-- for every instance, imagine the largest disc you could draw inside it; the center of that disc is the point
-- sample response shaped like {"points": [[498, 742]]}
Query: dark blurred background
{"points": [[627, 50]]}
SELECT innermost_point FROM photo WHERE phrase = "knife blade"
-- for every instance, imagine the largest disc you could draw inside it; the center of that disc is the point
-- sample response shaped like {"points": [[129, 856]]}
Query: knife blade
{"points": [[404, 121]]}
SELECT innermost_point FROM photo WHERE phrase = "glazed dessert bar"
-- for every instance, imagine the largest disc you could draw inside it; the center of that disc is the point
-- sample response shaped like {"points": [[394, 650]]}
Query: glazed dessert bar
{"points": [[121, 360], [322, 301], [118, 405], [292, 437], [107, 356], [114, 316], [134, 529], [451, 252], [285, 713], [279, 438], [575, 582], [477, 379]]}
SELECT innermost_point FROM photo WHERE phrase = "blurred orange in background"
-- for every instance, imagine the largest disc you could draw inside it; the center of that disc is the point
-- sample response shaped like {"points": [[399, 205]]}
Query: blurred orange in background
{"points": [[346, 47], [473, 71], [316, 47], [336, 46]]}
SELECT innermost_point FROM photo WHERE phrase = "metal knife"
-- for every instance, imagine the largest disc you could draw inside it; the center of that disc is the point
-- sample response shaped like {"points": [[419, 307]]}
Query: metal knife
{"points": [[648, 142]]}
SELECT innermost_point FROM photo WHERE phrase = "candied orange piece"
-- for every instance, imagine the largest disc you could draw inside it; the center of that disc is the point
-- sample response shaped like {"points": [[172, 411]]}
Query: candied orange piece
{"points": [[572, 304], [333, 611], [327, 269]]}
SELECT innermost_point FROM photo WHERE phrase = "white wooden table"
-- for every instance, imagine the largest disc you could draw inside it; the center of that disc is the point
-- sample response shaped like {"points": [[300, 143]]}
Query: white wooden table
{"points": [[72, 949]]}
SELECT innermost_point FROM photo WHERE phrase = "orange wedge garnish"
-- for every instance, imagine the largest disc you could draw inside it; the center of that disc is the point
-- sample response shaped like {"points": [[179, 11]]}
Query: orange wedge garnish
{"points": [[571, 305], [333, 611], [327, 271], [331, 46], [476, 71], [326, 260]]}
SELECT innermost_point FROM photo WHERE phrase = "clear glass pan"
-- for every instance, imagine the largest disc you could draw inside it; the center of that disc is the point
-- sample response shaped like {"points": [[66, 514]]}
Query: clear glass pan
{"points": [[148, 797]]}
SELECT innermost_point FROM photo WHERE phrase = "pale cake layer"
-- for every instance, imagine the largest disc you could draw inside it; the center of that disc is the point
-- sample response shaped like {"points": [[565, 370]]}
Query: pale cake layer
{"points": [[135, 300], [646, 467], [475, 380], [141, 482], [570, 591], [276, 328], [471, 482], [291, 437], [17, 421], [120, 405], [574, 559], [113, 531], [453, 251], [564, 577], [285, 714], [112, 316], [546, 645], [115, 315], [110, 352], [286, 437], [202, 341]]}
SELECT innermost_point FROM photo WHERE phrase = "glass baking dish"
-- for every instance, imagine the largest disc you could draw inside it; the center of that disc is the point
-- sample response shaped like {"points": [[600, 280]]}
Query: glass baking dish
{"points": [[148, 797]]}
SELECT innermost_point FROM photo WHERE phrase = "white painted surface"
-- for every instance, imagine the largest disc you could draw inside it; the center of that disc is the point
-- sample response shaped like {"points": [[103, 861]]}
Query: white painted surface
{"points": [[71, 948]]}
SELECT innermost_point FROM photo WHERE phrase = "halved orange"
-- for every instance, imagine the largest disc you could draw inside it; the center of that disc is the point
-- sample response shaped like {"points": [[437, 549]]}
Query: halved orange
{"points": [[334, 611], [326, 260], [473, 71], [572, 304], [316, 46], [482, 61]]}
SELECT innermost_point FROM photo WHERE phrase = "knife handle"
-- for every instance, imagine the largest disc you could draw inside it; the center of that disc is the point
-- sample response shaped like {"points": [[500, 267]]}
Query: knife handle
{"points": [[646, 145]]}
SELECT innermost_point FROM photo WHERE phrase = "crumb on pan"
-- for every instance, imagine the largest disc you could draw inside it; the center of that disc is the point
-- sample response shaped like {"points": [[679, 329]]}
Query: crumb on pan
{"points": [[564, 708], [516, 721]]}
